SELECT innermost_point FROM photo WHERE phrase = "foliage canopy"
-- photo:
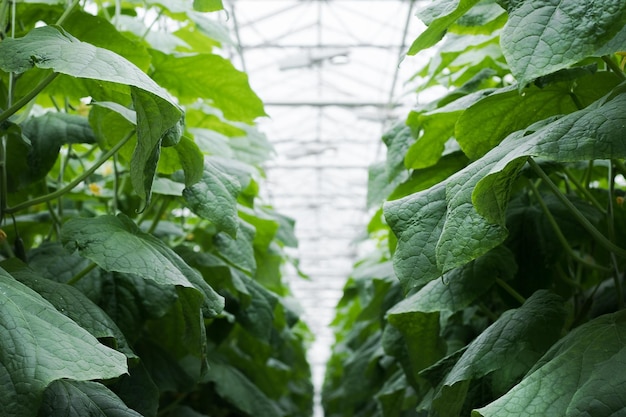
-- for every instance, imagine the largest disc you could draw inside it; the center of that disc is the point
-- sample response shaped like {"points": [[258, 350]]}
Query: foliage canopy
{"points": [[496, 288], [140, 271]]}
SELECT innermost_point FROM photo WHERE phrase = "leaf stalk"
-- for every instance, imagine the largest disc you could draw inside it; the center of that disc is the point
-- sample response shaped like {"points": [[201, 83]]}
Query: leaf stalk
{"points": [[76, 181], [599, 237], [510, 290], [559, 233], [82, 274], [23, 101]]}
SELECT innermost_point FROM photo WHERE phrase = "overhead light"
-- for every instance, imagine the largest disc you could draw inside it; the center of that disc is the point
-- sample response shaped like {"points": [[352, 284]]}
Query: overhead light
{"points": [[310, 59]]}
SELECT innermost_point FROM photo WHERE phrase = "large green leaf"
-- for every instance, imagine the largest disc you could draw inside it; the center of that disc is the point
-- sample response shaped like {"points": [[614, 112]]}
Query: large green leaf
{"points": [[458, 288], [209, 77], [78, 399], [40, 345], [214, 197], [439, 16], [51, 47], [463, 217], [117, 244], [99, 32], [485, 123], [581, 375], [543, 36], [509, 347], [71, 302]]}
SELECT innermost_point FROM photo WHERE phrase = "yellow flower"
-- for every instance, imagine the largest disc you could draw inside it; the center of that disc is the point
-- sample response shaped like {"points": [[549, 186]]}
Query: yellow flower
{"points": [[95, 189]]}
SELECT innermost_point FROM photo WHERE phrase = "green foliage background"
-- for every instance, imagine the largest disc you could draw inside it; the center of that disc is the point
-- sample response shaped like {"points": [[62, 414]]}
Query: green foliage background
{"points": [[496, 285], [140, 272]]}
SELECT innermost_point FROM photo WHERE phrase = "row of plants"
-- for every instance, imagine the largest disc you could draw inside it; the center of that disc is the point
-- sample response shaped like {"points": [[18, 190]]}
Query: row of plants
{"points": [[495, 286], [140, 270]]}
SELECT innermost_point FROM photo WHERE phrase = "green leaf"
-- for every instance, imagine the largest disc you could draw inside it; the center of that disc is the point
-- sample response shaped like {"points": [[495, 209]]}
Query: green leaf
{"points": [[398, 140], [463, 217], [258, 316], [378, 184], [581, 375], [510, 346], [458, 288], [111, 122], [542, 36], [234, 387], [487, 122], [155, 121], [439, 16], [38, 151], [131, 300], [207, 5], [117, 244], [181, 333], [420, 344], [71, 302], [99, 32], [51, 47], [424, 178], [214, 197], [76, 399], [40, 345], [437, 128], [265, 227], [138, 391], [185, 155], [239, 251], [483, 18], [187, 77]]}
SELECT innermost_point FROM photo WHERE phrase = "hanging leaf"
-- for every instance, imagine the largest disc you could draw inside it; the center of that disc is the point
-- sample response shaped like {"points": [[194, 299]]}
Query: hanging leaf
{"points": [[508, 348], [214, 197], [117, 244], [39, 345], [76, 399], [584, 373], [438, 17], [533, 47], [71, 302]]}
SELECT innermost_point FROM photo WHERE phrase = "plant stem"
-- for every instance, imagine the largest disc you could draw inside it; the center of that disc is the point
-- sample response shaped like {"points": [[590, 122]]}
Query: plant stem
{"points": [[510, 290], [485, 310], [584, 190], [28, 97], [160, 213], [82, 274], [599, 237], [67, 13], [559, 233], [73, 183], [614, 67]]}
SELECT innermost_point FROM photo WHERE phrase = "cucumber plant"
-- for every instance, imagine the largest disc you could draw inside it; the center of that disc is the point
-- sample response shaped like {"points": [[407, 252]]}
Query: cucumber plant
{"points": [[140, 271], [496, 285]]}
